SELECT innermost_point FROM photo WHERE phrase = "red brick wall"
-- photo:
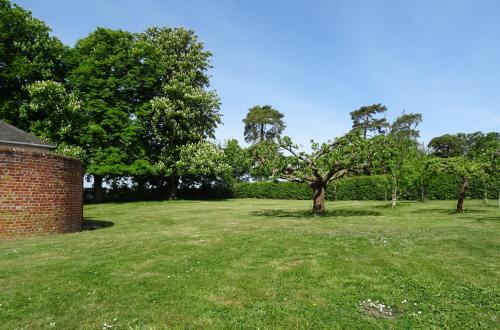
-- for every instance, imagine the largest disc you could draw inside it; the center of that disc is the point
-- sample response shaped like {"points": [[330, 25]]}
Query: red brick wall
{"points": [[40, 192]]}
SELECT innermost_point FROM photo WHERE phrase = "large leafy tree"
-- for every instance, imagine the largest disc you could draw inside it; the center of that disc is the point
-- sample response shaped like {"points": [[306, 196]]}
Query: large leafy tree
{"points": [[27, 54], [447, 145], [393, 151], [464, 169], [182, 110], [263, 123], [477, 145], [103, 77], [365, 118], [326, 162]]}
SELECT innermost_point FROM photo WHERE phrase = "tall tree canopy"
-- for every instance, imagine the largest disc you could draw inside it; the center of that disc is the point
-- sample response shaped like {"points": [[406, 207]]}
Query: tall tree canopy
{"points": [[477, 145], [263, 123], [27, 54], [447, 145], [182, 111], [365, 119], [102, 77]]}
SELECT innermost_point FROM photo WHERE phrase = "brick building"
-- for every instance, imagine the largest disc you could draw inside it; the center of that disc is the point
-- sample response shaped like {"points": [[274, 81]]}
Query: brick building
{"points": [[40, 191]]}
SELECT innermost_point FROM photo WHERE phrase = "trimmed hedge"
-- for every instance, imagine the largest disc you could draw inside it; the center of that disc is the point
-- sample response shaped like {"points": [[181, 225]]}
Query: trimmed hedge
{"points": [[272, 190], [373, 187]]}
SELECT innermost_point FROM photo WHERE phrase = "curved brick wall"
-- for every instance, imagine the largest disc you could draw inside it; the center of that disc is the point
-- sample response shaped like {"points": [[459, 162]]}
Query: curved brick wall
{"points": [[40, 192]]}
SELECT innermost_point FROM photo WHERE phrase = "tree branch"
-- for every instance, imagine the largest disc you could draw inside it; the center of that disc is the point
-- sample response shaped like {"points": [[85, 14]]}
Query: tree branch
{"points": [[289, 148], [334, 175]]}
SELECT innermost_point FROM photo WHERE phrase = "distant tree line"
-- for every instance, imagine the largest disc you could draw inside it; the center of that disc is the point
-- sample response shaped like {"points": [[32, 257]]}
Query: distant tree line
{"points": [[138, 110]]}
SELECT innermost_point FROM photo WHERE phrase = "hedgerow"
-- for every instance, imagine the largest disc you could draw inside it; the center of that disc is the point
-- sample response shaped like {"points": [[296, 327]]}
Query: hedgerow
{"points": [[373, 187]]}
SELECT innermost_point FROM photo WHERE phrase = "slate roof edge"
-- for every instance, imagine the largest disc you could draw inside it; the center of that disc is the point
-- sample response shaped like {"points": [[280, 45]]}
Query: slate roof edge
{"points": [[47, 145], [36, 143]]}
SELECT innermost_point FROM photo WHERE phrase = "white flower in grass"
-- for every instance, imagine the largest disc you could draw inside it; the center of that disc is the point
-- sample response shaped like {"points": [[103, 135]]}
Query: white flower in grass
{"points": [[106, 326]]}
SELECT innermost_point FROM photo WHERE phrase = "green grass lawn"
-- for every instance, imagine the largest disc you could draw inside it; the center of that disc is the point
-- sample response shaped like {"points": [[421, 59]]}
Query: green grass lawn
{"points": [[259, 264]]}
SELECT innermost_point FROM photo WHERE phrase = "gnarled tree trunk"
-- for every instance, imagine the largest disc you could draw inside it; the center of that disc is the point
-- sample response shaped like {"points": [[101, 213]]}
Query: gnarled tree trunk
{"points": [[97, 188], [319, 197], [461, 195], [173, 181]]}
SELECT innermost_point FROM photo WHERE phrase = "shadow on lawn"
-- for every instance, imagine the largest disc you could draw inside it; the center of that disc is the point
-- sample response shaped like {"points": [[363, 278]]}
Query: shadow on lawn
{"points": [[92, 224], [448, 211], [494, 219], [308, 214], [400, 204]]}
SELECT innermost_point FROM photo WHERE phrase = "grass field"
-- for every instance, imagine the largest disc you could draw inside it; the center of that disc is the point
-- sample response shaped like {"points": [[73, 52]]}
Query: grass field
{"points": [[259, 264]]}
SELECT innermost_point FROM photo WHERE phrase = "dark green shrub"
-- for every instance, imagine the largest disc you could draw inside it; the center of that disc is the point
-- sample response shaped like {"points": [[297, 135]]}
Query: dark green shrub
{"points": [[359, 188], [272, 190], [373, 187]]}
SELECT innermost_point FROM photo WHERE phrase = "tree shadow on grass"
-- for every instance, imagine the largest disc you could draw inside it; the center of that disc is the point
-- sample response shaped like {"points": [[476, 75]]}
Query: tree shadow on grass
{"points": [[92, 224], [493, 219], [303, 214], [447, 211], [400, 204]]}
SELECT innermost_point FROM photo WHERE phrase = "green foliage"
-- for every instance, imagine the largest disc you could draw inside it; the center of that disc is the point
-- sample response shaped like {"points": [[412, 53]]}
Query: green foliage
{"points": [[71, 151], [478, 145], [442, 186], [181, 110], [460, 167], [394, 153], [272, 190], [102, 79], [202, 159], [375, 187], [27, 54], [184, 115], [365, 120], [447, 145], [368, 187], [263, 123], [239, 160], [404, 127], [52, 113], [325, 163]]}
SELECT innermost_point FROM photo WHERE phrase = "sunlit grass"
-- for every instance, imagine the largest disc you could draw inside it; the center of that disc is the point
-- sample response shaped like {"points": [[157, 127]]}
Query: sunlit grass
{"points": [[258, 264]]}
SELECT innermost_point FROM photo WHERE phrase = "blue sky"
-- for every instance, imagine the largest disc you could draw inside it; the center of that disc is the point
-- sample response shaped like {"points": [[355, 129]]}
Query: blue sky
{"points": [[316, 61]]}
